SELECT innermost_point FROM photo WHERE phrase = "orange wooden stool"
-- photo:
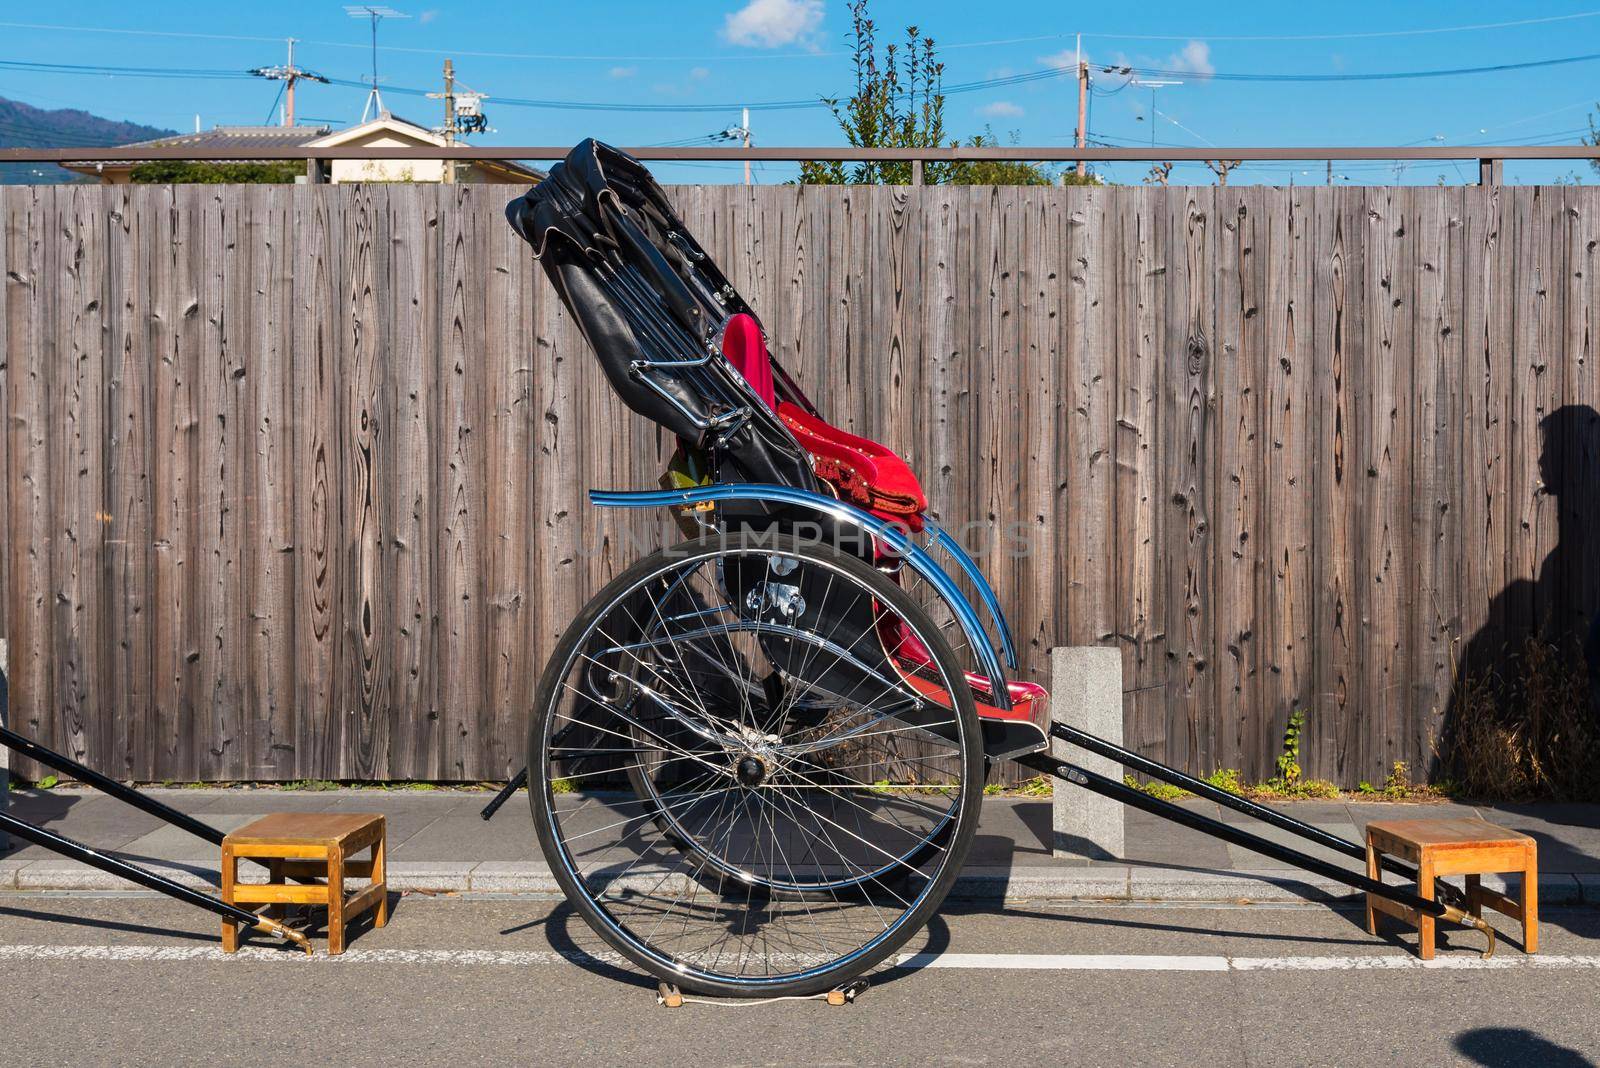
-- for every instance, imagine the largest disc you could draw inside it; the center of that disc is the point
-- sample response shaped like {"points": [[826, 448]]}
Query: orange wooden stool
{"points": [[308, 846], [1470, 847]]}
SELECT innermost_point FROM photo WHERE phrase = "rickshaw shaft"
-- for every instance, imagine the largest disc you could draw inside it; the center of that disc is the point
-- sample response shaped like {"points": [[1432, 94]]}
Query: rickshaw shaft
{"points": [[89, 777], [1200, 788], [75, 850], [1129, 795]]}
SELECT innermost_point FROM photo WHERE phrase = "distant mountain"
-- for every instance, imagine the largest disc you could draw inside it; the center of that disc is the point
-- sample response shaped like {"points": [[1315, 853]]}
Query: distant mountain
{"points": [[25, 126]]}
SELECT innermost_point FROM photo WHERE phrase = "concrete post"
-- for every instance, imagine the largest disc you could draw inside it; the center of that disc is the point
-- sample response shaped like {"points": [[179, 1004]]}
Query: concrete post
{"points": [[1086, 693], [5, 754]]}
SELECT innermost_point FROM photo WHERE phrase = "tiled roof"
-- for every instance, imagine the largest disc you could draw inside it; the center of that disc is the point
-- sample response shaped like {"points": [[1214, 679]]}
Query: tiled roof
{"points": [[224, 137]]}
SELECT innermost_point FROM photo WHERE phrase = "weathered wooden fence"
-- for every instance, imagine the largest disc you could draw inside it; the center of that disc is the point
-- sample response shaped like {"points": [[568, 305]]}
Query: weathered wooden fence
{"points": [[294, 476]]}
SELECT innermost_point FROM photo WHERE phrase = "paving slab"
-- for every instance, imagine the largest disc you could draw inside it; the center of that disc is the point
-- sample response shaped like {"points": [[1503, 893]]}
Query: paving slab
{"points": [[1153, 840], [1248, 858]]}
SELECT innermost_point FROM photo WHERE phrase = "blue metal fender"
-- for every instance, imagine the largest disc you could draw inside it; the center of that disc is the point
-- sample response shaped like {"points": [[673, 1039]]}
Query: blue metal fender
{"points": [[894, 537]]}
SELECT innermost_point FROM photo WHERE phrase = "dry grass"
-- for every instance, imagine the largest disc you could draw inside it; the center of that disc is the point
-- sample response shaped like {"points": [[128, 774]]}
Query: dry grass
{"points": [[1530, 736]]}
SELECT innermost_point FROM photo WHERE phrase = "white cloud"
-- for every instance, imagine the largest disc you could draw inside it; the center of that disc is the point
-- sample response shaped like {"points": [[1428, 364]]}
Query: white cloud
{"points": [[1001, 109], [1066, 59], [1194, 58], [773, 23], [699, 74], [624, 72], [427, 17]]}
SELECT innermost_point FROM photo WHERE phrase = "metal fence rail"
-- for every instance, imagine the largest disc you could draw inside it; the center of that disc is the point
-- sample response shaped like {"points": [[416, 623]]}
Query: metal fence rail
{"points": [[1489, 158]]}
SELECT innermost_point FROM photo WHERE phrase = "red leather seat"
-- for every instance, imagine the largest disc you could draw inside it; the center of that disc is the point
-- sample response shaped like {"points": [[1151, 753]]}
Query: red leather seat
{"points": [[865, 472], [744, 348]]}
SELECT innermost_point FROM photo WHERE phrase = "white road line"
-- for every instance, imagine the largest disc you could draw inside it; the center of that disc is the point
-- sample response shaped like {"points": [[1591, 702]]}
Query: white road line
{"points": [[1065, 962], [1095, 962]]}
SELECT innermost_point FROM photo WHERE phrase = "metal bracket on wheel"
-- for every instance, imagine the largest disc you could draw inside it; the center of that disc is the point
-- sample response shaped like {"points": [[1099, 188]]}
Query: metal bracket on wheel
{"points": [[847, 994]]}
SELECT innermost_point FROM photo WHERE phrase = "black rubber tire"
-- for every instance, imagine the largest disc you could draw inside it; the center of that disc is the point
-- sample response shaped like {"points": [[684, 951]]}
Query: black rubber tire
{"points": [[541, 796]]}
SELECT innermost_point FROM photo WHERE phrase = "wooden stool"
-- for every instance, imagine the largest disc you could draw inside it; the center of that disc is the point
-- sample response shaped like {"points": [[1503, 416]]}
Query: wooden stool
{"points": [[308, 846], [1470, 847]]}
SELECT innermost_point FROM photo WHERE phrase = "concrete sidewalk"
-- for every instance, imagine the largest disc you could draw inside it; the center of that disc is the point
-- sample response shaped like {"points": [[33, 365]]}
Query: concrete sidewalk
{"points": [[437, 842]]}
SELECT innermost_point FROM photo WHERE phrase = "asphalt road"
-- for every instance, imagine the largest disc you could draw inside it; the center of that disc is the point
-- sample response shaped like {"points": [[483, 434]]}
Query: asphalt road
{"points": [[132, 979]]}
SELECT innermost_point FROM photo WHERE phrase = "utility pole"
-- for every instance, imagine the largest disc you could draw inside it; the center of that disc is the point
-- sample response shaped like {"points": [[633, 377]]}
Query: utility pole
{"points": [[463, 114], [449, 118], [1083, 107], [1330, 172], [289, 74], [288, 88], [744, 123]]}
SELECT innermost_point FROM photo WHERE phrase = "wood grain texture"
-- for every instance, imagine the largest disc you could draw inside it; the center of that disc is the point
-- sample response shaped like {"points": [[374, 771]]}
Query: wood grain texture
{"points": [[294, 478]]}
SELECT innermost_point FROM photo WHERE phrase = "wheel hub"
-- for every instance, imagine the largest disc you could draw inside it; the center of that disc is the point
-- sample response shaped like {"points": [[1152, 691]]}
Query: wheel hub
{"points": [[750, 770]]}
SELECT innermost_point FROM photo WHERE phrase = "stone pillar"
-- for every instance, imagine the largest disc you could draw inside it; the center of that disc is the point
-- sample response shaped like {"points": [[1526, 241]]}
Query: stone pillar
{"points": [[1086, 693], [5, 754]]}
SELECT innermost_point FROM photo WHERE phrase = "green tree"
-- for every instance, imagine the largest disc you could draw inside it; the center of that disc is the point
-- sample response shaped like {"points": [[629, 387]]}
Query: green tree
{"points": [[899, 103], [188, 172]]}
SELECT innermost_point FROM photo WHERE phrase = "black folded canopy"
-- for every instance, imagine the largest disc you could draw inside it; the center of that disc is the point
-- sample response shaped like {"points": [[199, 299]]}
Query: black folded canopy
{"points": [[653, 305]]}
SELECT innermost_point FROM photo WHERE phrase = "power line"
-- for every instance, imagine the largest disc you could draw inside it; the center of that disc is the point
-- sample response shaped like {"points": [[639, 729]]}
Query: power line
{"points": [[121, 72], [763, 57], [811, 103], [1371, 77]]}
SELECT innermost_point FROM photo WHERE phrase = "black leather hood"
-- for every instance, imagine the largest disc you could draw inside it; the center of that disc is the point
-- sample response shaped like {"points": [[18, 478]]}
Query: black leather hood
{"points": [[642, 290]]}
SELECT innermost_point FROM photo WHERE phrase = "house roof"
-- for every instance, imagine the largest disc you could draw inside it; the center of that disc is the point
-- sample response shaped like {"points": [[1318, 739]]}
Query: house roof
{"points": [[389, 123], [225, 137], [219, 139], [386, 122]]}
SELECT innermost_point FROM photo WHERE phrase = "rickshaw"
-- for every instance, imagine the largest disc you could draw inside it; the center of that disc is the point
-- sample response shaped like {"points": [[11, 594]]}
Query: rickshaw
{"points": [[756, 757]]}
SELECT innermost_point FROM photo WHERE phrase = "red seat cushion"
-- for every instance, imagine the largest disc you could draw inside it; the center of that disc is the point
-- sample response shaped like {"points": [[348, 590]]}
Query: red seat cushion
{"points": [[1029, 700], [865, 472], [744, 348]]}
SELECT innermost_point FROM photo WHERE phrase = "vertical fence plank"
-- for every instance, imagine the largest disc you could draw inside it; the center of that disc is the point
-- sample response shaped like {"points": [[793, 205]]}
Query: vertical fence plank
{"points": [[124, 623], [30, 675], [318, 520]]}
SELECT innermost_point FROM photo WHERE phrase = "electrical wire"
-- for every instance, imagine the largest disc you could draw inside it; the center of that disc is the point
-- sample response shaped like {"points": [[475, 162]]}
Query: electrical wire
{"points": [[825, 54]]}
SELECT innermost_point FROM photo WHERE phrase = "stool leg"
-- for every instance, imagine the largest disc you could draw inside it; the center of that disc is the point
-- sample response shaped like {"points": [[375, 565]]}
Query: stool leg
{"points": [[1530, 901], [335, 902], [1425, 922], [275, 875], [379, 878], [1372, 873], [230, 875], [1474, 900]]}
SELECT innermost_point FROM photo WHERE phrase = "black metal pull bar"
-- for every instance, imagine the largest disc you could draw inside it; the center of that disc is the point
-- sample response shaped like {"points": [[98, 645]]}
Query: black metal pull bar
{"points": [[1127, 795], [1200, 788], [518, 780], [87, 775], [67, 847]]}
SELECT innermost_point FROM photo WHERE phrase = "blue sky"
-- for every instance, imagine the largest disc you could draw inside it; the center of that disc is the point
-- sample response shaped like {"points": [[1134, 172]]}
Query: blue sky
{"points": [[732, 51]]}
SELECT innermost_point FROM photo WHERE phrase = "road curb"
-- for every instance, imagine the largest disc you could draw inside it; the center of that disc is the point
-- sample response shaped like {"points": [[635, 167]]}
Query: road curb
{"points": [[1101, 883]]}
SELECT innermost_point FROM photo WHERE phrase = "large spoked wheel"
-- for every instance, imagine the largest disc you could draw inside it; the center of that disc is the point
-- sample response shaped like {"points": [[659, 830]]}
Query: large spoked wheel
{"points": [[737, 780]]}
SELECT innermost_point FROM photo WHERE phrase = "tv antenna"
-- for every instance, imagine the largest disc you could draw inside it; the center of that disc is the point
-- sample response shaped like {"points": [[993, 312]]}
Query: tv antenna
{"points": [[289, 74], [375, 13], [1153, 84]]}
